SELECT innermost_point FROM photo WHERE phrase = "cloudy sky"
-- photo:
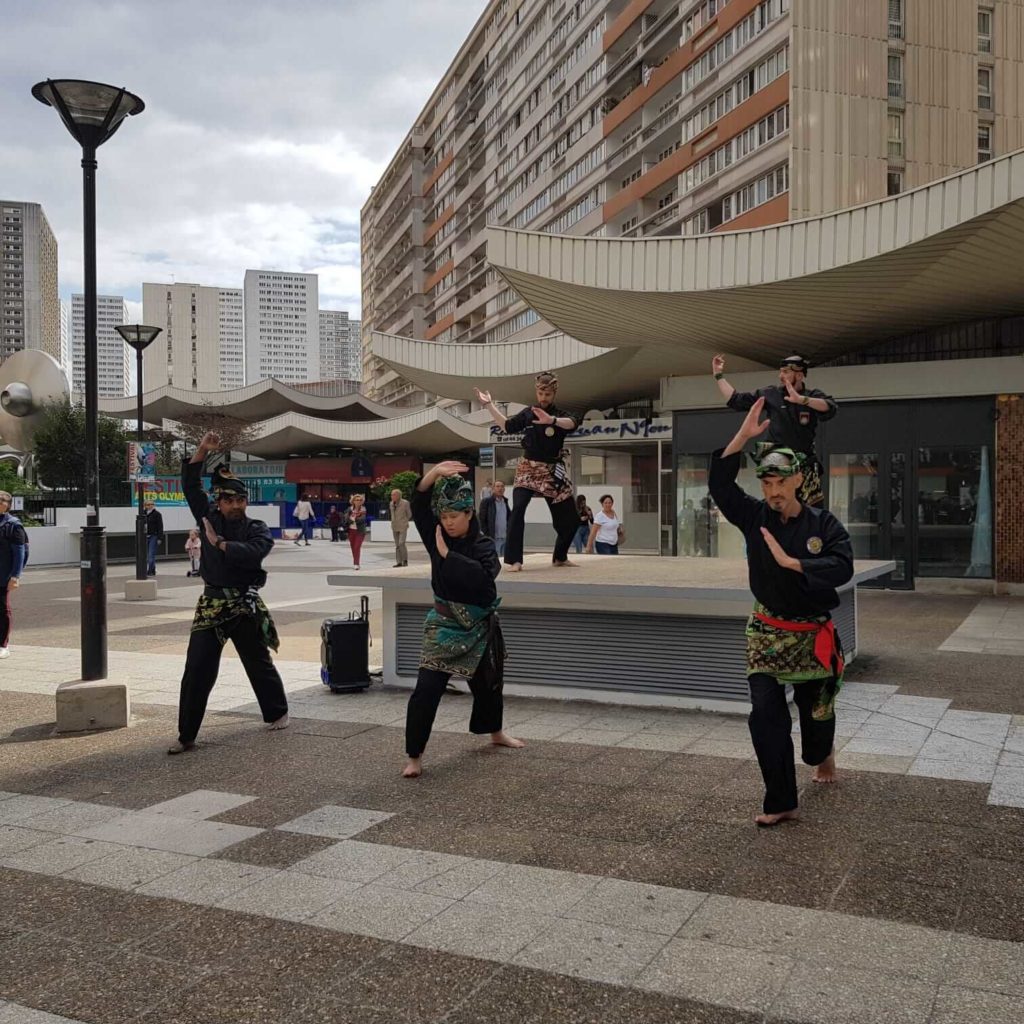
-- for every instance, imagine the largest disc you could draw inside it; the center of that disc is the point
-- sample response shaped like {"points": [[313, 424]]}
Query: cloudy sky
{"points": [[265, 125]]}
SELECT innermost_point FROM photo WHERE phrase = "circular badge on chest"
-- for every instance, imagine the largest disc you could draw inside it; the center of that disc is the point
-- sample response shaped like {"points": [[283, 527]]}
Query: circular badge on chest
{"points": [[550, 431], [814, 545]]}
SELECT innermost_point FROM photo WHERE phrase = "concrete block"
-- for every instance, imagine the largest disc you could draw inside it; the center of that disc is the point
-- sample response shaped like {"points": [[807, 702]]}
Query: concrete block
{"points": [[140, 590], [94, 705]]}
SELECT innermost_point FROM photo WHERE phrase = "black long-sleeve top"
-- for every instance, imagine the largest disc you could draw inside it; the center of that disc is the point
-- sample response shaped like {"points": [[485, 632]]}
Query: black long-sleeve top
{"points": [[790, 425], [467, 574], [815, 537], [240, 565], [542, 442]]}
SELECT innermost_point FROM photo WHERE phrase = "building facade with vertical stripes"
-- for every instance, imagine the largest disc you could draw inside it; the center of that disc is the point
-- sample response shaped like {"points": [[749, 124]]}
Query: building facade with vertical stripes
{"points": [[660, 118]]}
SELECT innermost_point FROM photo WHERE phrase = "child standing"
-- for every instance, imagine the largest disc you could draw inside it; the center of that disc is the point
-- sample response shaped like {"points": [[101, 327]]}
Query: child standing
{"points": [[193, 547]]}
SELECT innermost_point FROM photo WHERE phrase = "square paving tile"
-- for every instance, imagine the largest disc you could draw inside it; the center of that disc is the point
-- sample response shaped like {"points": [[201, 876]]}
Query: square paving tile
{"points": [[14, 809], [458, 882], [200, 804], [963, 771], [829, 994], [205, 882], [980, 726], [13, 838], [380, 913], [750, 924], [175, 835], [71, 817], [637, 906], [970, 1006], [598, 952], [944, 747], [12, 1013], [538, 890], [742, 979], [129, 868], [1007, 787], [472, 929], [59, 854], [288, 896], [419, 868], [986, 964], [335, 822], [354, 861]]}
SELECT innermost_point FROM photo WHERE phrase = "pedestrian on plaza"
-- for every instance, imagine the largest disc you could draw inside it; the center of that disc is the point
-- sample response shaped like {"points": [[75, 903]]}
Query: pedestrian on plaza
{"points": [[334, 523], [585, 516], [304, 514], [356, 526], [461, 635], [606, 532], [401, 515], [797, 555], [193, 548], [794, 412], [13, 554], [541, 471], [154, 534], [487, 490], [230, 608], [494, 516]]}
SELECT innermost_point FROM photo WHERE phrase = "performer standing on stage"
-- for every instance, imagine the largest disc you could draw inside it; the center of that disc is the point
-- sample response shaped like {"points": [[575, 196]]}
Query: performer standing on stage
{"points": [[794, 412], [797, 556], [541, 471], [461, 635], [230, 608]]}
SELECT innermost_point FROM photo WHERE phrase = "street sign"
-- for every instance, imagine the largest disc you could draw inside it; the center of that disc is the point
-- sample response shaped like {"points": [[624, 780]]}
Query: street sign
{"points": [[485, 460]]}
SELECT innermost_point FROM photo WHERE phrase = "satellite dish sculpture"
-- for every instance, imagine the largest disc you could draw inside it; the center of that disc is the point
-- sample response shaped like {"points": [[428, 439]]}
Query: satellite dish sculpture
{"points": [[29, 381]]}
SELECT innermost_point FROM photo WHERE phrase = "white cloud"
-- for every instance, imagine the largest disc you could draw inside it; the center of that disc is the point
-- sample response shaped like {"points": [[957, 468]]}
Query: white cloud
{"points": [[266, 125]]}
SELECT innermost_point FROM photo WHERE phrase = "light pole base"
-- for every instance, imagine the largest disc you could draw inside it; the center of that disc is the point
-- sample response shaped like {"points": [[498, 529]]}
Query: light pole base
{"points": [[140, 590], [83, 706]]}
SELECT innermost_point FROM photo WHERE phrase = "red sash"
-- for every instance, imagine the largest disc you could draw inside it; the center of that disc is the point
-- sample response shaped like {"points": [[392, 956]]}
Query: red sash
{"points": [[826, 643]]}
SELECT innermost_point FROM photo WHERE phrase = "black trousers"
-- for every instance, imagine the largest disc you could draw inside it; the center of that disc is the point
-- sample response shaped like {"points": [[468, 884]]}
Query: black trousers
{"points": [[771, 730], [486, 716], [202, 663], [5, 616], [563, 517]]}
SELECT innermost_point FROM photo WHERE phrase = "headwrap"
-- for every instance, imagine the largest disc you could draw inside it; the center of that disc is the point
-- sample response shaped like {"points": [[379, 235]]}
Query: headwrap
{"points": [[794, 363], [780, 462], [223, 482], [452, 494], [546, 380]]}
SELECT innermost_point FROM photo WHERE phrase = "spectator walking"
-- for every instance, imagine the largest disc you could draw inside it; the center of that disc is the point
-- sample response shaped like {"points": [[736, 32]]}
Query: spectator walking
{"points": [[606, 533], [355, 526], [586, 519], [306, 518], [401, 514], [154, 534], [193, 548], [334, 523], [13, 553], [494, 516]]}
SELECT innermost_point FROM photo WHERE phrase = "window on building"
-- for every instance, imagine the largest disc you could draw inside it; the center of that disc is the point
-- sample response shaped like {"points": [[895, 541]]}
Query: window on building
{"points": [[895, 138], [985, 89], [894, 183], [895, 19], [985, 16], [984, 143], [895, 76]]}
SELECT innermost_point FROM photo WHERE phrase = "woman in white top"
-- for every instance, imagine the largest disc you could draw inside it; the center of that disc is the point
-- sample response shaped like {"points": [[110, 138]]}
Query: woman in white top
{"points": [[606, 533]]}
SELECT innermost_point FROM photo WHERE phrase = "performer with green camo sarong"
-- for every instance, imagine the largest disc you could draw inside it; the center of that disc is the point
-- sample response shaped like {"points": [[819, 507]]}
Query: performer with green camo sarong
{"points": [[461, 635], [230, 608], [797, 556]]}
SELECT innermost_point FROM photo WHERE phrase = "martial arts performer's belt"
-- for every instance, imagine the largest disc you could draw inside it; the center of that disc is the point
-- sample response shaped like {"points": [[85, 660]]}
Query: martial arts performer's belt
{"points": [[827, 649], [443, 609], [220, 605]]}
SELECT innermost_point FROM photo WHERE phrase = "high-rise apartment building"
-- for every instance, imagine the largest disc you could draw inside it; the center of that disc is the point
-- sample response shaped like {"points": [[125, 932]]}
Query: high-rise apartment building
{"points": [[640, 118], [282, 327], [201, 345], [115, 360], [29, 303], [65, 340], [340, 346]]}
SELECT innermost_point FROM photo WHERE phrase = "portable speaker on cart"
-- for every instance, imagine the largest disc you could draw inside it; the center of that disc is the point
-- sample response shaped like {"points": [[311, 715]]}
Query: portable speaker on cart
{"points": [[345, 650]]}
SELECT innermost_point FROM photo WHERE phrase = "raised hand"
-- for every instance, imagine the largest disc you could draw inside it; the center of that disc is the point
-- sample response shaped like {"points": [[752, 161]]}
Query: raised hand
{"points": [[484, 397], [450, 468], [718, 364], [792, 395], [210, 442], [780, 556], [442, 547], [211, 533], [540, 416], [752, 424]]}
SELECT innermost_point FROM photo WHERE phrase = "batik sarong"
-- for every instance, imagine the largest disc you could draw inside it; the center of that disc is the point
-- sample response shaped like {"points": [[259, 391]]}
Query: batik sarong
{"points": [[215, 610], [797, 650], [548, 479], [458, 637]]}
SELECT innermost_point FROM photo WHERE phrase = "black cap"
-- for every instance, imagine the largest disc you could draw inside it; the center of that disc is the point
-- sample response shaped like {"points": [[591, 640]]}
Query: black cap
{"points": [[794, 362], [223, 481]]}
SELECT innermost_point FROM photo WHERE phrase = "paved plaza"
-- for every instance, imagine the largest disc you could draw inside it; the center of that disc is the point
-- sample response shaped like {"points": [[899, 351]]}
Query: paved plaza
{"points": [[608, 872]]}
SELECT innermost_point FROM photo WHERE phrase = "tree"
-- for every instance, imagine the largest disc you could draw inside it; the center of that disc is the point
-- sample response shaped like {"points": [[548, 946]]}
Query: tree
{"points": [[59, 444], [234, 432], [405, 482], [9, 479]]}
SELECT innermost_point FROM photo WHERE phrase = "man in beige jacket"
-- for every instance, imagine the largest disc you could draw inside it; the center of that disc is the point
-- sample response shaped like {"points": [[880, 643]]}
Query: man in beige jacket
{"points": [[401, 513]]}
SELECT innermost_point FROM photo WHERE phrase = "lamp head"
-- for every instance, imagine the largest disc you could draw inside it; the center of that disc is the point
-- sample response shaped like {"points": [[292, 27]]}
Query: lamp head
{"points": [[139, 336], [91, 111]]}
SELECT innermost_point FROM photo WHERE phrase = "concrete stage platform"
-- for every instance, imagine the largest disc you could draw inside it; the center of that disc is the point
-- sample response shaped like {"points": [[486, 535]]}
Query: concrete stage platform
{"points": [[625, 629]]}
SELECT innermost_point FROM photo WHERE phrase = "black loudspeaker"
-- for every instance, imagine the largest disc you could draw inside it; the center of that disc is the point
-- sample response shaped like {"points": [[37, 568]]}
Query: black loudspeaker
{"points": [[345, 651]]}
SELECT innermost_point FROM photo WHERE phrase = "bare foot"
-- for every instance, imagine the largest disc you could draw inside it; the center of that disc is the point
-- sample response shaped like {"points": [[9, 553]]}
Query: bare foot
{"points": [[412, 770], [769, 820], [180, 748], [562, 565], [502, 739], [279, 723], [515, 567], [825, 773]]}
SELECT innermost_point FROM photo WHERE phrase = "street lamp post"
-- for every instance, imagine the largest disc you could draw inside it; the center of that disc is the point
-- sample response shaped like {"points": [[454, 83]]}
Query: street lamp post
{"points": [[140, 338], [91, 112]]}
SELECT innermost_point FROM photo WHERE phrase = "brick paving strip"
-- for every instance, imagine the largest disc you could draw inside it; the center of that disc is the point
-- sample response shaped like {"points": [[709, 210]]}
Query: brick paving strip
{"points": [[878, 728], [742, 959]]}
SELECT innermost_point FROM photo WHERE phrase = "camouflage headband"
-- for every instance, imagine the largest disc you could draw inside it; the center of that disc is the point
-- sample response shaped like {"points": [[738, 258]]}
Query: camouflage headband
{"points": [[452, 494], [782, 462], [546, 380]]}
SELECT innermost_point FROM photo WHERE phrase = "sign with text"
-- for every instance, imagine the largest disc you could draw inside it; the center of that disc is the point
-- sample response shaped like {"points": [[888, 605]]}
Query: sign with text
{"points": [[485, 460], [164, 491], [141, 462], [659, 429]]}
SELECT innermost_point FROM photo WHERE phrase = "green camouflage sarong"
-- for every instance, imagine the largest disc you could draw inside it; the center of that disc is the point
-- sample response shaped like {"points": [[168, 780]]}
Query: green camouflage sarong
{"points": [[215, 612], [456, 641]]}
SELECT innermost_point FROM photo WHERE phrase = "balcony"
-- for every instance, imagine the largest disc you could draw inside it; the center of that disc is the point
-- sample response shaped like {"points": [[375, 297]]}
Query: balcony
{"points": [[895, 29], [896, 157], [897, 97]]}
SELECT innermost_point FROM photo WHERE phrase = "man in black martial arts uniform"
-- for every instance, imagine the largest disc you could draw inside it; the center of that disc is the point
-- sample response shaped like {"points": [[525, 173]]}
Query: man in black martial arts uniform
{"points": [[230, 608], [797, 556]]}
